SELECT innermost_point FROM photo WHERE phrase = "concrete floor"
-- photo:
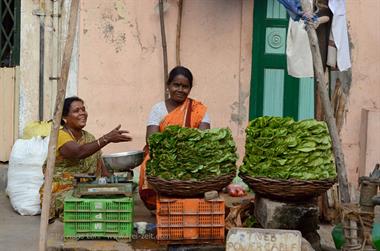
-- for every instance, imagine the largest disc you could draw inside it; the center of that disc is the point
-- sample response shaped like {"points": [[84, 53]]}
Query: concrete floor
{"points": [[19, 233], [56, 241]]}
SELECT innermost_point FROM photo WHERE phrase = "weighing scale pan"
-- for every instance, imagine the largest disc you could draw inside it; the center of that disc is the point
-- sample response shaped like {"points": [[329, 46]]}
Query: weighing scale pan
{"points": [[123, 161]]}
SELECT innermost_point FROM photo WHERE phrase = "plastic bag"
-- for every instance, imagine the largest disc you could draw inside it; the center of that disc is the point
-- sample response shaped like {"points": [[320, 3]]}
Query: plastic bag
{"points": [[235, 190], [37, 128], [238, 181], [25, 175]]}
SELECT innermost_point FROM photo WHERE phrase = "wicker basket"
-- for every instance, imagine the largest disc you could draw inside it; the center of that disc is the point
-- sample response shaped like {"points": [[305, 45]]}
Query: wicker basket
{"points": [[187, 188], [287, 190]]}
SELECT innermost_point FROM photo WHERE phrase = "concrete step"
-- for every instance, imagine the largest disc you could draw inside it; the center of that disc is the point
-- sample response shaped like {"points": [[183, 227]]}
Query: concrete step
{"points": [[3, 177]]}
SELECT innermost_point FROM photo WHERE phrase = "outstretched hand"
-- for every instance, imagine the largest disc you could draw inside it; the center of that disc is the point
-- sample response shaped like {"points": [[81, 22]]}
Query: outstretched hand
{"points": [[117, 135]]}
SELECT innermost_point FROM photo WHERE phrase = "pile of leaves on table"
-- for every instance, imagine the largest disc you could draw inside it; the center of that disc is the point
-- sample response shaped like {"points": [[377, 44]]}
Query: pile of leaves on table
{"points": [[281, 148], [191, 154]]}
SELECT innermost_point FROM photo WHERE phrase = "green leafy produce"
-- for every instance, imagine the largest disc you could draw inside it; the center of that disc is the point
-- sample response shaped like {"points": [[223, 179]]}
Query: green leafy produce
{"points": [[191, 154], [281, 148], [250, 221]]}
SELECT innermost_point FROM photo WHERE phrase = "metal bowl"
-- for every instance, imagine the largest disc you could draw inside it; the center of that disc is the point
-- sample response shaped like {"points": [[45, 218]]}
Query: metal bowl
{"points": [[124, 161]]}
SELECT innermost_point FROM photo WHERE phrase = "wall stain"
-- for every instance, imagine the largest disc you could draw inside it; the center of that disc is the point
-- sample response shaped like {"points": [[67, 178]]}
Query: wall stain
{"points": [[137, 34], [121, 9], [239, 110], [352, 46], [107, 27]]}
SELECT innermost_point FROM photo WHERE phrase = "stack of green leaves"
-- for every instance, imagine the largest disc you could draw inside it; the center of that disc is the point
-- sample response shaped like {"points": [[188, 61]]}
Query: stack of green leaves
{"points": [[281, 148], [191, 154]]}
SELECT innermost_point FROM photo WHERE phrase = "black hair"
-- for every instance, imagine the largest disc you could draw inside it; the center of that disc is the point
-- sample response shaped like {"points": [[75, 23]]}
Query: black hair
{"points": [[180, 70], [66, 106]]}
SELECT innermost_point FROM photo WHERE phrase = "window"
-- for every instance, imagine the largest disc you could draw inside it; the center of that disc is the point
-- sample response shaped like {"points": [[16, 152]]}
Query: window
{"points": [[10, 33]]}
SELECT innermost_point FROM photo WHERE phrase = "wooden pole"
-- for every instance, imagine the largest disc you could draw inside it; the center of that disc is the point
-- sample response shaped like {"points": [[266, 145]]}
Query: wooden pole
{"points": [[327, 108], [61, 91], [164, 47], [323, 33], [178, 37]]}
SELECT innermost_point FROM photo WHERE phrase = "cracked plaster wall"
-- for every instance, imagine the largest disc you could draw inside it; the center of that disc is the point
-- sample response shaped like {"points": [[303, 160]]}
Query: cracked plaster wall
{"points": [[363, 24], [119, 70]]}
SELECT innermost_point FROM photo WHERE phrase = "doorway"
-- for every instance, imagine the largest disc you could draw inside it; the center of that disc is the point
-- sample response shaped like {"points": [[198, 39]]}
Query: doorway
{"points": [[273, 91]]}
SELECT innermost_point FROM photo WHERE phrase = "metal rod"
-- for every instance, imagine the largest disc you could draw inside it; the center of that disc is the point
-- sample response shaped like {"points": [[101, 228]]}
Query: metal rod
{"points": [[56, 56], [178, 37], [164, 47], [42, 68]]}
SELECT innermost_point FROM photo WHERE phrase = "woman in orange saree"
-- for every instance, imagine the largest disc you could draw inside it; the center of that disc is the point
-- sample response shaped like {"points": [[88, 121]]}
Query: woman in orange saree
{"points": [[180, 110]]}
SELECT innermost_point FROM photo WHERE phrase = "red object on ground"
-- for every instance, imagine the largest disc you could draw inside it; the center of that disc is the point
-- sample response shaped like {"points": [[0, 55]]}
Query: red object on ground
{"points": [[235, 190]]}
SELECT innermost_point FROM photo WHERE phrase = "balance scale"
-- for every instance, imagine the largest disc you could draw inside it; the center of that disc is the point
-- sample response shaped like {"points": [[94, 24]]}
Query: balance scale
{"points": [[115, 185], [120, 183]]}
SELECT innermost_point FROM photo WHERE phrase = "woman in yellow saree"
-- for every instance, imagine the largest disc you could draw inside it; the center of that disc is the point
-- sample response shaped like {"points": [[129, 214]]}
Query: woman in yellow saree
{"points": [[78, 151], [177, 110]]}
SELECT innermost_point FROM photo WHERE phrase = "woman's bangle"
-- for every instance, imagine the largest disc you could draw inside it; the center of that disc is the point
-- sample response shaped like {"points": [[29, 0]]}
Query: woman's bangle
{"points": [[98, 142], [104, 139]]}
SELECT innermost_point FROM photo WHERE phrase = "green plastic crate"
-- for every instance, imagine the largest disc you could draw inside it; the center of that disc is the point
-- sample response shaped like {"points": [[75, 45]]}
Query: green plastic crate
{"points": [[98, 218]]}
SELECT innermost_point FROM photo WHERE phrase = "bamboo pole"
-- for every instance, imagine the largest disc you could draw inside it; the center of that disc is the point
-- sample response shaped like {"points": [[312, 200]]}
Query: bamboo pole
{"points": [[178, 36], [327, 108], [61, 91], [164, 47]]}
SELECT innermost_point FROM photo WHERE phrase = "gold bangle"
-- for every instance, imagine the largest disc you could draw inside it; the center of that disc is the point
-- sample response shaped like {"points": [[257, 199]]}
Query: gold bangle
{"points": [[98, 143]]}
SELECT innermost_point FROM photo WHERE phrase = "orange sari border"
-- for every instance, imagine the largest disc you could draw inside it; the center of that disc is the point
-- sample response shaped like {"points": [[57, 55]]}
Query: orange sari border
{"points": [[178, 115]]}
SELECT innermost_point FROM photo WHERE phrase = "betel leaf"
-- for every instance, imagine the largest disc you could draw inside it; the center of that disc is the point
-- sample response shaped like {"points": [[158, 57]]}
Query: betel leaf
{"points": [[191, 154], [282, 148]]}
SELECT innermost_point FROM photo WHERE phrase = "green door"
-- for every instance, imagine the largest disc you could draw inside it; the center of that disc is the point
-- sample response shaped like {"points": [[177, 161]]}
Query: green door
{"points": [[273, 91]]}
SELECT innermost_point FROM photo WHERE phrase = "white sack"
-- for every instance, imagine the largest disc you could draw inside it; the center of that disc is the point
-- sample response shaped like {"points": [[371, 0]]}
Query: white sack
{"points": [[25, 174]]}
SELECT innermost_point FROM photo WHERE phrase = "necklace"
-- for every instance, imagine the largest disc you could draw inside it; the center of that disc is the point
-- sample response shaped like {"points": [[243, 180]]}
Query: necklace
{"points": [[72, 135], [81, 161]]}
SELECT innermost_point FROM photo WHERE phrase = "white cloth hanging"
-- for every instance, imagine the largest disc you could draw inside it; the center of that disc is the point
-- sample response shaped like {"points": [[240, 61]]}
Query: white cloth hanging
{"points": [[340, 34], [298, 52]]}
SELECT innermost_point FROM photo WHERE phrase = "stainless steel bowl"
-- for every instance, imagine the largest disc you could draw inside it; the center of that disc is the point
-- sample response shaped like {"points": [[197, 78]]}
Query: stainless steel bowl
{"points": [[124, 161]]}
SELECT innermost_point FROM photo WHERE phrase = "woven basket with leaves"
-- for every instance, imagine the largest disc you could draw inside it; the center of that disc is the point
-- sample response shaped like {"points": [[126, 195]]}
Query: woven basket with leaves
{"points": [[189, 188], [287, 190]]}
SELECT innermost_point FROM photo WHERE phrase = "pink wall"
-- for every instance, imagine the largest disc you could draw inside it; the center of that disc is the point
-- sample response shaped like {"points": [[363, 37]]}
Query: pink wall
{"points": [[363, 23], [120, 62]]}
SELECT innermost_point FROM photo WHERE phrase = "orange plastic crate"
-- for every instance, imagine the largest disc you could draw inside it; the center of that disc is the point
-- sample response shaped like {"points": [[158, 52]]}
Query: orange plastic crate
{"points": [[190, 220]]}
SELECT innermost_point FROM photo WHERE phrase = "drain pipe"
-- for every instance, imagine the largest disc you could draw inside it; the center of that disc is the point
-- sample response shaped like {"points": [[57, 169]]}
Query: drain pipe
{"points": [[56, 55], [41, 13]]}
